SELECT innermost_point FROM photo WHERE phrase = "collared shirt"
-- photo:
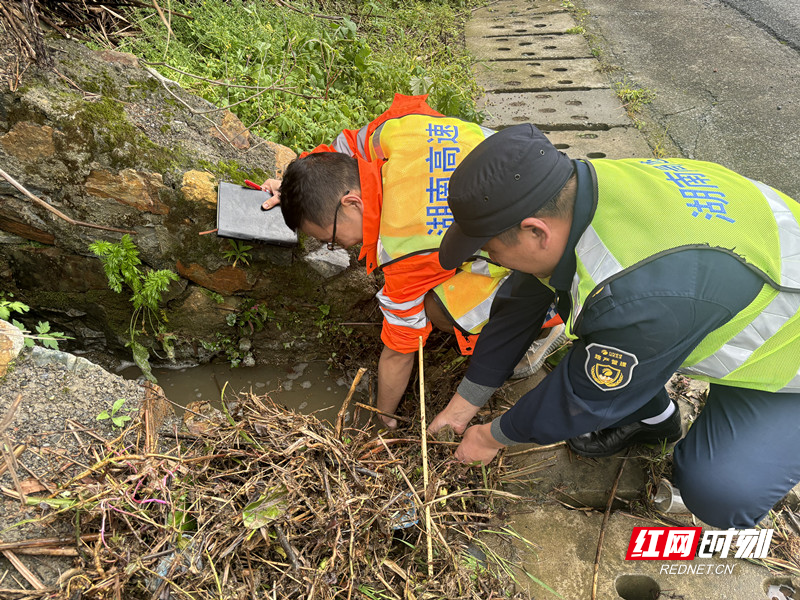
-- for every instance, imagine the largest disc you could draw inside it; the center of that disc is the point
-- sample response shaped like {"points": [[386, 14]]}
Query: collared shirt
{"points": [[657, 313]]}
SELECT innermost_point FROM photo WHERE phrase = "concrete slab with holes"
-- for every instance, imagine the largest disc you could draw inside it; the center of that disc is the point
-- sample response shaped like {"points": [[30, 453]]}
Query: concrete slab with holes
{"points": [[498, 25], [619, 142], [570, 110], [529, 46], [528, 75], [514, 12]]}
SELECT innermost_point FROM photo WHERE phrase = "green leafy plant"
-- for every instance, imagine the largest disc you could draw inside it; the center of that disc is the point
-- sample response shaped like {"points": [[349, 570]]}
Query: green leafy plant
{"points": [[215, 296], [8, 306], [251, 319], [229, 346], [246, 321], [633, 98], [49, 339], [121, 265], [238, 251], [117, 418]]}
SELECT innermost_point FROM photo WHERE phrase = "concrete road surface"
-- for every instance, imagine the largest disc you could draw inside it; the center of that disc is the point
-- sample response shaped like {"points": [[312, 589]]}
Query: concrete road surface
{"points": [[727, 89], [779, 17]]}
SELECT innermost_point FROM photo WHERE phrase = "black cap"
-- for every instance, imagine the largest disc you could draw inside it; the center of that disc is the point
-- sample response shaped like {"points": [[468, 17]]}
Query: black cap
{"points": [[504, 180]]}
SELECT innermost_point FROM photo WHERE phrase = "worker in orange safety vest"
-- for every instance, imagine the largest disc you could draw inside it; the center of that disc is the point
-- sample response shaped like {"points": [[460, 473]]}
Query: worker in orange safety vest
{"points": [[385, 186]]}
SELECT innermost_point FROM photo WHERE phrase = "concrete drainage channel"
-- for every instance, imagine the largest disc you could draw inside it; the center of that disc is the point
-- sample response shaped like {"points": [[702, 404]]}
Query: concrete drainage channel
{"points": [[533, 71]]}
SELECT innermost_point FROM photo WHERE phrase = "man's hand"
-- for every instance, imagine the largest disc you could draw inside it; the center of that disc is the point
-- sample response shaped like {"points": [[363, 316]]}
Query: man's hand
{"points": [[478, 445], [271, 186], [458, 413]]}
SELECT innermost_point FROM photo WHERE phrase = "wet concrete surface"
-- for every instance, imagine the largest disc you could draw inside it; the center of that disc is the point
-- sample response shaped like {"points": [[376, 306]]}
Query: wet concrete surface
{"points": [[535, 68]]}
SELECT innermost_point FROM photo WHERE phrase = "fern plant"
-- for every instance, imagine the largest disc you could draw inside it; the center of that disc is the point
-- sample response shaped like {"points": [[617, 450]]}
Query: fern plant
{"points": [[121, 265]]}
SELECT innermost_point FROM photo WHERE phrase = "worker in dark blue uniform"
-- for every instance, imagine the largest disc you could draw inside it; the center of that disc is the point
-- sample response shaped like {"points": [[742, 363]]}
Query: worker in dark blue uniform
{"points": [[596, 236]]}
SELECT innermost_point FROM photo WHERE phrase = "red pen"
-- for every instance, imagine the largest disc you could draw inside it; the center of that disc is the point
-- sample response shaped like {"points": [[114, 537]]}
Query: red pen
{"points": [[250, 184]]}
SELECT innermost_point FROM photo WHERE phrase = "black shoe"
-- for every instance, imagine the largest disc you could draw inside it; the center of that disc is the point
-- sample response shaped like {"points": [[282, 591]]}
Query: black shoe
{"points": [[610, 441]]}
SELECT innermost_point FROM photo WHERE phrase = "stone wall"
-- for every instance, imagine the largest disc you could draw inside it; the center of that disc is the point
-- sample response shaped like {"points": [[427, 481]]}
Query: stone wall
{"points": [[102, 140]]}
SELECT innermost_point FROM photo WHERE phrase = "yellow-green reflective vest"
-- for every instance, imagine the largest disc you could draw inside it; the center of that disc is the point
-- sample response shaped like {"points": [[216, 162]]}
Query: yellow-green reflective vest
{"points": [[421, 153], [689, 204]]}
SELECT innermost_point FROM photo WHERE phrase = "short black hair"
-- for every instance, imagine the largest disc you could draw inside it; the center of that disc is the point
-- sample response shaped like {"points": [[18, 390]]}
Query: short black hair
{"points": [[313, 185]]}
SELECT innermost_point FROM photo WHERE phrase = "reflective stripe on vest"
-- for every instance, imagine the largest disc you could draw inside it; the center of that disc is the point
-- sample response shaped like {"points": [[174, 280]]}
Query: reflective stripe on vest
{"points": [[417, 320], [340, 143], [598, 261], [776, 309], [383, 255], [468, 295], [474, 320], [789, 234], [376, 142], [782, 307]]}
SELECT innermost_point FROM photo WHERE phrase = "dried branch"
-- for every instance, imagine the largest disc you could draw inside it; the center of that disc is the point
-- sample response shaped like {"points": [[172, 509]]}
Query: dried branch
{"points": [[57, 212], [607, 513], [346, 403]]}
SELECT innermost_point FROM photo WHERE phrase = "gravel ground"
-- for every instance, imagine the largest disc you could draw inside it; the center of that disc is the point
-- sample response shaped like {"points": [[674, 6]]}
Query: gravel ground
{"points": [[61, 396]]}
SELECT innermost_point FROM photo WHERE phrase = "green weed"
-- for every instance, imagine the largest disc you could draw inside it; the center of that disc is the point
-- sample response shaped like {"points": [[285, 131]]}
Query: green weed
{"points": [[503, 566], [49, 339], [117, 419], [8, 306], [238, 251], [121, 265], [298, 78], [633, 98]]}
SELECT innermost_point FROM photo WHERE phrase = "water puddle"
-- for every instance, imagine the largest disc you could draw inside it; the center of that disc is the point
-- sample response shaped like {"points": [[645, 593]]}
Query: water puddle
{"points": [[306, 387]]}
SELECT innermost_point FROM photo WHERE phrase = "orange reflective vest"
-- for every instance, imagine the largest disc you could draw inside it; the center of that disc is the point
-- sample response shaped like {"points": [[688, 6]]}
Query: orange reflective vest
{"points": [[405, 159]]}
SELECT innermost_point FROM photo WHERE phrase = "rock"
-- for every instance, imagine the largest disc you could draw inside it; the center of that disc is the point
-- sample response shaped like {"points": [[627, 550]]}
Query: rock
{"points": [[353, 288], [43, 357], [283, 156], [124, 58], [133, 188], [328, 263], [29, 142], [200, 186], [27, 231], [234, 130], [225, 280], [11, 343], [199, 313], [55, 269]]}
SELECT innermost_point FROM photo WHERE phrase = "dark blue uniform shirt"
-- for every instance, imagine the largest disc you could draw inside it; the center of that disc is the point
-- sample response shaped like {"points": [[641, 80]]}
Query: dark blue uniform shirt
{"points": [[658, 312]]}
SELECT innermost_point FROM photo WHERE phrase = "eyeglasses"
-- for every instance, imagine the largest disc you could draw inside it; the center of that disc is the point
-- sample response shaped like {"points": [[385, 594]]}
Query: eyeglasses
{"points": [[332, 243]]}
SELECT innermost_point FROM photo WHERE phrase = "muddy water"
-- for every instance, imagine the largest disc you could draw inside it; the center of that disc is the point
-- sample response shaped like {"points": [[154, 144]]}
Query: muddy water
{"points": [[305, 387]]}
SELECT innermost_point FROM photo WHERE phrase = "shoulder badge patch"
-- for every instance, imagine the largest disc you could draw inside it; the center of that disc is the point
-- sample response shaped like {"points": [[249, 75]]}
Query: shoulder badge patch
{"points": [[609, 368]]}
